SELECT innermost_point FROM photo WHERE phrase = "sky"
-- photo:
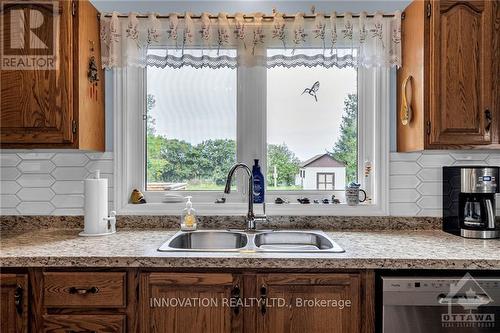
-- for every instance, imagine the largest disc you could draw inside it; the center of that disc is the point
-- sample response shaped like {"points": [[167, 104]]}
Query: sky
{"points": [[198, 104]]}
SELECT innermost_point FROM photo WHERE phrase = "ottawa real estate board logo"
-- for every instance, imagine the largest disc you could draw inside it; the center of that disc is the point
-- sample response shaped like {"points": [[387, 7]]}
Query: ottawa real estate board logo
{"points": [[29, 31], [465, 299]]}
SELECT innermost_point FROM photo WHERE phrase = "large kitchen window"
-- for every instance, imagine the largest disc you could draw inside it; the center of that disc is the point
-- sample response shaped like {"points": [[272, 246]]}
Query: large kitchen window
{"points": [[190, 128], [309, 100], [309, 114], [314, 130]]}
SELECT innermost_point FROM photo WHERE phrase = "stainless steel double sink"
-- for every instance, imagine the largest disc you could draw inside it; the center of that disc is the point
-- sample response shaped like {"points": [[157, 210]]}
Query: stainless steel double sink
{"points": [[251, 241]]}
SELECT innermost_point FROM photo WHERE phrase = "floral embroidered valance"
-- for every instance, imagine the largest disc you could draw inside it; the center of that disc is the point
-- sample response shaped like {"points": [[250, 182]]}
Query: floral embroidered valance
{"points": [[251, 40]]}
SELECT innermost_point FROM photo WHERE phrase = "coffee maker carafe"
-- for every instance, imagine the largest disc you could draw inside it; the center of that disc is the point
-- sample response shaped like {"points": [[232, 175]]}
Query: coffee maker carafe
{"points": [[469, 201]]}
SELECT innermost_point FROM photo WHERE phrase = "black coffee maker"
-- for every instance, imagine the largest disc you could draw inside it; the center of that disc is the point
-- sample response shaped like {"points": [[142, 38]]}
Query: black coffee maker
{"points": [[469, 201]]}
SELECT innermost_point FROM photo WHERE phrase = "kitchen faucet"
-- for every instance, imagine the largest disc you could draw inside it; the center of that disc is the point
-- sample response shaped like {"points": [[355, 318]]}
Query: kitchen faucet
{"points": [[251, 218]]}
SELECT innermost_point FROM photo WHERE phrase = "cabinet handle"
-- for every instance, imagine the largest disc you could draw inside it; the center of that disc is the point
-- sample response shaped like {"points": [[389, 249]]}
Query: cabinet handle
{"points": [[263, 299], [18, 299], [236, 299], [83, 291], [489, 120]]}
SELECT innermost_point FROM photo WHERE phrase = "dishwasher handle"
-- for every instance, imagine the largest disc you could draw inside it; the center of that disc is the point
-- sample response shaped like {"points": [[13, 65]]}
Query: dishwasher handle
{"points": [[464, 299]]}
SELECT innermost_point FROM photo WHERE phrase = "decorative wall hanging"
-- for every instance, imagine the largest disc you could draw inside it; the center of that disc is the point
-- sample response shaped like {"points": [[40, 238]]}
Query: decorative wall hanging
{"points": [[92, 72], [224, 40]]}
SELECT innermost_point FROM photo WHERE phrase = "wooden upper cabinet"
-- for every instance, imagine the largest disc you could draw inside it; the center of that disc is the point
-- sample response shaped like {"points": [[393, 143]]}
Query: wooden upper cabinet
{"points": [[451, 50], [165, 308], [14, 303], [309, 303], [461, 73], [54, 106]]}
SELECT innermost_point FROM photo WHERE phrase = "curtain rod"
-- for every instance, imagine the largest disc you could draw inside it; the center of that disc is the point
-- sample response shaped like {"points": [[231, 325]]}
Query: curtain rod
{"points": [[265, 17]]}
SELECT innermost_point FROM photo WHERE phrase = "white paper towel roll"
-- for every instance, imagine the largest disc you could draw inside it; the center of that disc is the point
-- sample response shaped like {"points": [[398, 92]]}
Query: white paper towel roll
{"points": [[96, 205]]}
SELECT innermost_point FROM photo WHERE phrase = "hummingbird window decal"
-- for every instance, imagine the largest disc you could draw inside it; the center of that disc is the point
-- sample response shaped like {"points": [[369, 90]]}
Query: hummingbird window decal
{"points": [[313, 90]]}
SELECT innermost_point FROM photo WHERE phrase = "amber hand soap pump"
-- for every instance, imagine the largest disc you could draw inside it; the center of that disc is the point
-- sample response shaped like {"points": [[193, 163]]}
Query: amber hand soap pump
{"points": [[188, 217]]}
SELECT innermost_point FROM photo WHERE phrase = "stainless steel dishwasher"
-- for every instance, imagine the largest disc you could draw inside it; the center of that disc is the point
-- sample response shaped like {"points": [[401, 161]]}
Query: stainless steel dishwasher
{"points": [[440, 304]]}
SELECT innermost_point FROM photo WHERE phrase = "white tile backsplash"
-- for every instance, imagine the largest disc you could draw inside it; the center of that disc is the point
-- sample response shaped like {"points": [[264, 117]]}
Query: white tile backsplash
{"points": [[69, 173], [46, 183], [52, 183], [36, 180], [423, 172], [9, 186], [70, 160], [35, 194], [35, 208], [36, 166]]}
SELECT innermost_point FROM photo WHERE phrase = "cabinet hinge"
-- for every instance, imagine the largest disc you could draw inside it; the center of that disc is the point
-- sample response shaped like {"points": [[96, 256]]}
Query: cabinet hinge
{"points": [[428, 128], [429, 9], [73, 126], [73, 8]]}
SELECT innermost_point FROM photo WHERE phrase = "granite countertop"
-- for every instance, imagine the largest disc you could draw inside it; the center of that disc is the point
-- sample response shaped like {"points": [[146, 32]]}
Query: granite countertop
{"points": [[398, 249]]}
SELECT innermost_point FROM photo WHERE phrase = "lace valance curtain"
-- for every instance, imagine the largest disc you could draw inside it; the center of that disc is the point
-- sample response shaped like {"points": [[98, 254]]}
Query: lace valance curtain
{"points": [[251, 40]]}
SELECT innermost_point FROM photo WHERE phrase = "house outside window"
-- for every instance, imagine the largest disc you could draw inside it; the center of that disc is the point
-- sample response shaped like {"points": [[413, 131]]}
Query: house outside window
{"points": [[322, 172]]}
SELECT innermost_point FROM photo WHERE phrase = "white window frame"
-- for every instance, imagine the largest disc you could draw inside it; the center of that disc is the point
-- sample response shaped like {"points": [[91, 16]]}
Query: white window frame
{"points": [[129, 108]]}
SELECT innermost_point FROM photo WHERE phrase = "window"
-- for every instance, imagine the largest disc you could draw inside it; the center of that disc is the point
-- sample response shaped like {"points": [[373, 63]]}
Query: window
{"points": [[325, 181], [311, 125], [190, 128], [210, 118]]}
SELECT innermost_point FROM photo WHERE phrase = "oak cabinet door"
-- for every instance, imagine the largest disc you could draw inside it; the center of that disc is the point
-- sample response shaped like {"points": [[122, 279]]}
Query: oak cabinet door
{"points": [[309, 303], [460, 95], [84, 323], [14, 303], [189, 302], [36, 105]]}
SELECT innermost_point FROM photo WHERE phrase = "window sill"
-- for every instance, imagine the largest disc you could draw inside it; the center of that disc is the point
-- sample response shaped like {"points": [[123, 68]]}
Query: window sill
{"points": [[240, 209]]}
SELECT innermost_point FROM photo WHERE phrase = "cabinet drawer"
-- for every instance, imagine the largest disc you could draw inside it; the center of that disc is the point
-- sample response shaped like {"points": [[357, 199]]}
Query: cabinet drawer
{"points": [[84, 323], [84, 290]]}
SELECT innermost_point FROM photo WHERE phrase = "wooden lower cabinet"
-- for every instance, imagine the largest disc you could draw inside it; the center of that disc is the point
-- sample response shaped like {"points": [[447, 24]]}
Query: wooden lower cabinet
{"points": [[138, 300], [274, 302], [168, 302], [309, 303], [14, 303], [84, 323]]}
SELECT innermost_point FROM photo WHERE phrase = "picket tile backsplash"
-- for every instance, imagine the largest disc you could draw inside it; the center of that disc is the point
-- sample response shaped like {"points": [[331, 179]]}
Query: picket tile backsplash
{"points": [[52, 183], [49, 183]]}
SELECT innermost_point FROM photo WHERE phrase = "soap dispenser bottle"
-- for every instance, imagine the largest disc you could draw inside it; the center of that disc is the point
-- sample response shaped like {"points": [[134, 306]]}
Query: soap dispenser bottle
{"points": [[188, 217], [258, 183]]}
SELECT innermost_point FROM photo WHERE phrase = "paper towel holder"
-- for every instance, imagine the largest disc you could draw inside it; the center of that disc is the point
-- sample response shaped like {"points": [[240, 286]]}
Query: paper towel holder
{"points": [[97, 221], [111, 226]]}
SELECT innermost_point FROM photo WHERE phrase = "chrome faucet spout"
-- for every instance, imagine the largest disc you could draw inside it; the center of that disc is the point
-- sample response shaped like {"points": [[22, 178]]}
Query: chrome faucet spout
{"points": [[227, 190]]}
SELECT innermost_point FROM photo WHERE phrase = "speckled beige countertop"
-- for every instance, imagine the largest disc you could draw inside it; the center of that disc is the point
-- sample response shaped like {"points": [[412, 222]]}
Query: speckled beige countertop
{"points": [[399, 249]]}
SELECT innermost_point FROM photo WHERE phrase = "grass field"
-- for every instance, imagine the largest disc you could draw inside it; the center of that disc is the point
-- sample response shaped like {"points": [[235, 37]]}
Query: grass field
{"points": [[215, 187]]}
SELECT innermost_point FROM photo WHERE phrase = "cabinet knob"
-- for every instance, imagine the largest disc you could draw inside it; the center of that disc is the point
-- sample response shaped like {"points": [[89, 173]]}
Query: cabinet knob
{"points": [[18, 299], [236, 299], [489, 120], [83, 291], [263, 299]]}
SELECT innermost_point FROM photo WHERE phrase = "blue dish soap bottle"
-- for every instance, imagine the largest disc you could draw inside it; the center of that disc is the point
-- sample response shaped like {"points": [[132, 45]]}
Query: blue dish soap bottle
{"points": [[258, 183]]}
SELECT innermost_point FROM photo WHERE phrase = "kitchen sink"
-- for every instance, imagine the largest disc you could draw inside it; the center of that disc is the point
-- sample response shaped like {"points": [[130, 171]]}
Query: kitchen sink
{"points": [[295, 241], [252, 241], [206, 241]]}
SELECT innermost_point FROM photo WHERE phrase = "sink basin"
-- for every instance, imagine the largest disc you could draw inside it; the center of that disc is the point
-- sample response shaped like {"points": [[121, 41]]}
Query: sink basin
{"points": [[295, 241], [253, 241], [206, 241]]}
